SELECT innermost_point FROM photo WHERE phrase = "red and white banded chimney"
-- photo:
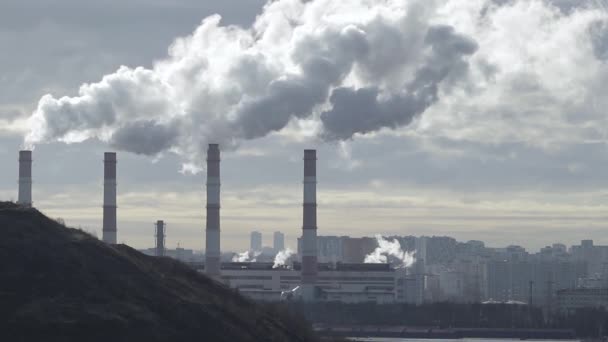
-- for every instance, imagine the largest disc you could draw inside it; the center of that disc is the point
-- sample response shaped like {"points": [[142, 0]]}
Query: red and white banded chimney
{"points": [[25, 178], [212, 249], [109, 198], [309, 227], [160, 238]]}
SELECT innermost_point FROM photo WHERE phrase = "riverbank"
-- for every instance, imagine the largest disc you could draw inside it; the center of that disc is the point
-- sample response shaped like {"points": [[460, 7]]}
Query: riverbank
{"points": [[437, 333]]}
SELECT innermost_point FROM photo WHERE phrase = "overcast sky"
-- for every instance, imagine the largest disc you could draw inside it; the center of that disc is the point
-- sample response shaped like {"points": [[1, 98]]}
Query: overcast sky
{"points": [[477, 119]]}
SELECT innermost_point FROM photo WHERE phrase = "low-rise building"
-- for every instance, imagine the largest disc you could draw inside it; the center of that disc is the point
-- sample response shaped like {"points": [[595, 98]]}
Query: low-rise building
{"points": [[569, 300]]}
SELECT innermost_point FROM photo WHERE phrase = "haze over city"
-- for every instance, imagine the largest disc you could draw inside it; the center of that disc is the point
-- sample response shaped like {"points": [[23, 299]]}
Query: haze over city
{"points": [[506, 144]]}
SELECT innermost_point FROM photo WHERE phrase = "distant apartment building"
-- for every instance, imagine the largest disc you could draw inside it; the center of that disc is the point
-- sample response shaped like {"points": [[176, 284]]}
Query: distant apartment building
{"points": [[440, 249], [342, 248], [256, 241], [596, 257], [278, 241], [354, 250], [532, 280]]}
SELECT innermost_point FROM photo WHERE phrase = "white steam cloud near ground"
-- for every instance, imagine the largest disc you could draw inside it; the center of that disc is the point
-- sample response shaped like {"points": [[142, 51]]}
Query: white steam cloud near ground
{"points": [[390, 252], [282, 258], [246, 256], [492, 71]]}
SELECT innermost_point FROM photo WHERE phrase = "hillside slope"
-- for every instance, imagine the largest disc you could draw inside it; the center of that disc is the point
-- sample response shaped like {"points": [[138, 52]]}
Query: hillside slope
{"points": [[59, 284]]}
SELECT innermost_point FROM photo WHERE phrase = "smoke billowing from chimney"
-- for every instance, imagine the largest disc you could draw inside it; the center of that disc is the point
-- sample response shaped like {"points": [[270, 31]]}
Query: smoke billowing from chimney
{"points": [[353, 66]]}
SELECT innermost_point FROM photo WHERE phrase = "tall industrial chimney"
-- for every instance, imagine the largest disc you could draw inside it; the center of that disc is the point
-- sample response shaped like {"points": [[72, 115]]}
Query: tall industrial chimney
{"points": [[25, 178], [212, 250], [160, 238], [309, 227], [109, 198]]}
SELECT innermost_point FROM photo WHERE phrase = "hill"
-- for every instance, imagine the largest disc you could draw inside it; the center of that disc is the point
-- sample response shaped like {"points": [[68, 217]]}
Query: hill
{"points": [[62, 284]]}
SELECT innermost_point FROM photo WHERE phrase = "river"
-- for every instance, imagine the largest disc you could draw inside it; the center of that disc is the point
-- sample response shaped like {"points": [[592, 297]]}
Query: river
{"points": [[382, 339]]}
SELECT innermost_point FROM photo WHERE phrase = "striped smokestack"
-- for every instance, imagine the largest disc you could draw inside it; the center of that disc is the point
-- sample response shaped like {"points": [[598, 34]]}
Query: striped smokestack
{"points": [[309, 227], [212, 250], [25, 178], [160, 238], [109, 198]]}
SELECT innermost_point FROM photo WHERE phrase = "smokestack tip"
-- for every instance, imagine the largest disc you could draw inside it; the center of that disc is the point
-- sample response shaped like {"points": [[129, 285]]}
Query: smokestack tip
{"points": [[109, 156], [25, 155], [213, 153], [160, 222], [310, 154]]}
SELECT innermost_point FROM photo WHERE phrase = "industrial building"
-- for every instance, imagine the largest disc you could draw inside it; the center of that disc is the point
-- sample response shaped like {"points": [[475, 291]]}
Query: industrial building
{"points": [[306, 279], [332, 268], [350, 283]]}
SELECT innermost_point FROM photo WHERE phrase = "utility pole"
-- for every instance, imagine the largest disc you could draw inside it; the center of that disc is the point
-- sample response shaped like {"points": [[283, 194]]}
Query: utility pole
{"points": [[530, 296], [530, 292], [549, 298]]}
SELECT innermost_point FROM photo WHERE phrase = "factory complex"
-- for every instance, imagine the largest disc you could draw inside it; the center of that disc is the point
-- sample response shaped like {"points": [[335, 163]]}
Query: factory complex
{"points": [[302, 279]]}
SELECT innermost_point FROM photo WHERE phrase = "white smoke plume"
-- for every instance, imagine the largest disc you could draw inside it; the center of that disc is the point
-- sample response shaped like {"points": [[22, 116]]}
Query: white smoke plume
{"points": [[353, 66], [390, 252], [246, 256], [282, 257]]}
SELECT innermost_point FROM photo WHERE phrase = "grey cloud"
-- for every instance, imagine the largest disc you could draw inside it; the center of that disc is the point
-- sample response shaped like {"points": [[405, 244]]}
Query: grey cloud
{"points": [[145, 137], [325, 60], [565, 6], [598, 33], [128, 93], [11, 114], [227, 84], [286, 98], [366, 110]]}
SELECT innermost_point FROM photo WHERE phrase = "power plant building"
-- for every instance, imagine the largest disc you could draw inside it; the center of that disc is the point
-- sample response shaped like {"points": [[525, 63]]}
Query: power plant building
{"points": [[348, 283], [307, 279]]}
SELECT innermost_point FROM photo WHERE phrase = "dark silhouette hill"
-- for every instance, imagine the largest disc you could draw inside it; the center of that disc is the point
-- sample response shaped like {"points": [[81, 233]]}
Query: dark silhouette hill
{"points": [[62, 284]]}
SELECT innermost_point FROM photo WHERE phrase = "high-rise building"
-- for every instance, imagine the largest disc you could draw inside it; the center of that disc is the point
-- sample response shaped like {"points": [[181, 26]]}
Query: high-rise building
{"points": [[256, 241], [278, 241]]}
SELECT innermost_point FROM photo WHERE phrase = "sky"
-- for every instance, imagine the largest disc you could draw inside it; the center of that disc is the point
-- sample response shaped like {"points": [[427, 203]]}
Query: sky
{"points": [[476, 119]]}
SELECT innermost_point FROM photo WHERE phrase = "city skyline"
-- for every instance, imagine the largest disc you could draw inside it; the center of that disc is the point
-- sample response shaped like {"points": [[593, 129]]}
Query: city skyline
{"points": [[523, 159]]}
